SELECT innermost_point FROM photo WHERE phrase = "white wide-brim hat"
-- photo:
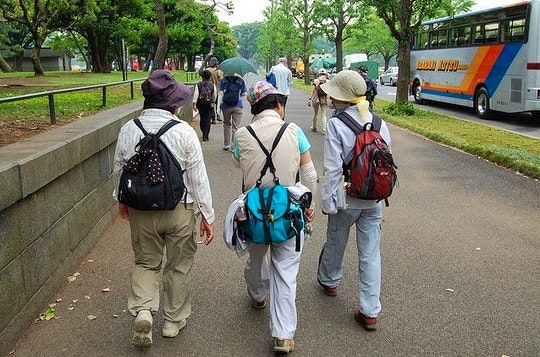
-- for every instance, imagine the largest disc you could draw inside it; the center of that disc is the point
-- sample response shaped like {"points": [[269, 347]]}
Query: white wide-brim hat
{"points": [[346, 86]]}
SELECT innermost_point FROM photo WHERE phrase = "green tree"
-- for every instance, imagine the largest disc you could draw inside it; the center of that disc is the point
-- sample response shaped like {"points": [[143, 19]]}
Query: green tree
{"points": [[70, 41], [337, 16], [41, 17], [372, 37], [403, 18], [246, 36], [210, 21], [279, 35]]}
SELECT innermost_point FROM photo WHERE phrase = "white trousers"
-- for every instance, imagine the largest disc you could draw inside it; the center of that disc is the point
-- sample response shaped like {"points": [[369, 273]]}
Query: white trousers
{"points": [[277, 277]]}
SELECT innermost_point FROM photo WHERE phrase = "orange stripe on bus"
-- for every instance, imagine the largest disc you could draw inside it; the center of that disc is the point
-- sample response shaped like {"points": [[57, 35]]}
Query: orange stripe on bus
{"points": [[478, 70]]}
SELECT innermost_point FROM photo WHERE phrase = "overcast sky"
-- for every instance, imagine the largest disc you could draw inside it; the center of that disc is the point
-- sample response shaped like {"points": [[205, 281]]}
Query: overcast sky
{"points": [[246, 11]]}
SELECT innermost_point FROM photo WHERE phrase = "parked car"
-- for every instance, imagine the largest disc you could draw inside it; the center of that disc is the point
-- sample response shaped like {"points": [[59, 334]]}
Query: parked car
{"points": [[389, 76]]}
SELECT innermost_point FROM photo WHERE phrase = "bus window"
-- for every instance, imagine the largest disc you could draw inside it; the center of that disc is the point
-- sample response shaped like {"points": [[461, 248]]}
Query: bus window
{"points": [[492, 32], [478, 34]]}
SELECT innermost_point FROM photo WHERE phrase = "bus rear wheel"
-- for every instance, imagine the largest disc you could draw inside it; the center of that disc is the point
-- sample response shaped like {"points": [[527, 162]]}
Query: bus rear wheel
{"points": [[481, 104], [536, 115]]}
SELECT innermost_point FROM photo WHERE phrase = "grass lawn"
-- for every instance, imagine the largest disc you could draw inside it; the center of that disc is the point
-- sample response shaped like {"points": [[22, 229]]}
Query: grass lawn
{"points": [[514, 151], [22, 119]]}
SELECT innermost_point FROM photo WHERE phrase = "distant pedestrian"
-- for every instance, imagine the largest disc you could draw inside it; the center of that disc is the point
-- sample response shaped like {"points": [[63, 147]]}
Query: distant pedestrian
{"points": [[371, 86], [283, 77], [318, 100], [217, 76], [204, 99], [233, 88], [346, 90], [156, 232], [292, 158]]}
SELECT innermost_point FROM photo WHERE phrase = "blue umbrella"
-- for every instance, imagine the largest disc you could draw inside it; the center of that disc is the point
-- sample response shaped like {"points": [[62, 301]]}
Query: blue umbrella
{"points": [[236, 66]]}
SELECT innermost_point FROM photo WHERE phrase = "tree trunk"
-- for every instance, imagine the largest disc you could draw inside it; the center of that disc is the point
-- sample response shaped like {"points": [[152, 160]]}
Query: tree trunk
{"points": [[339, 49], [4, 66], [404, 62], [97, 46], [38, 69], [161, 50]]}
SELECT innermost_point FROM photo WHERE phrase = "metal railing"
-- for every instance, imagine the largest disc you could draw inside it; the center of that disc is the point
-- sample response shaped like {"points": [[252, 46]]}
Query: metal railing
{"points": [[52, 93]]}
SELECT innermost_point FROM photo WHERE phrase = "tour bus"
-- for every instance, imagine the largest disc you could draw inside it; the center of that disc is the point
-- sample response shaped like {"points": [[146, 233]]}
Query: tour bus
{"points": [[488, 60]]}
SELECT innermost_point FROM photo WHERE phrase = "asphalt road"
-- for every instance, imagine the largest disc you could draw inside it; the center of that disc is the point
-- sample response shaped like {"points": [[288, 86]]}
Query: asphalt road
{"points": [[523, 124], [460, 249]]}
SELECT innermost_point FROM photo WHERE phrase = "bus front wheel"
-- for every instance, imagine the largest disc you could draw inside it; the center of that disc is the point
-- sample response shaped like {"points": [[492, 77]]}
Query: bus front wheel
{"points": [[481, 104], [536, 115], [417, 93]]}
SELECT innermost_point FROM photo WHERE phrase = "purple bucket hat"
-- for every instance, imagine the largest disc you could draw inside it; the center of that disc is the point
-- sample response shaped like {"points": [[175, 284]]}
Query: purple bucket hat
{"points": [[162, 91]]}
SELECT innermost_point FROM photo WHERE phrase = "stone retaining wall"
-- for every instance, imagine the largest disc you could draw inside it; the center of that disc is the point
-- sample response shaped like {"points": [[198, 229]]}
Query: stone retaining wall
{"points": [[55, 203]]}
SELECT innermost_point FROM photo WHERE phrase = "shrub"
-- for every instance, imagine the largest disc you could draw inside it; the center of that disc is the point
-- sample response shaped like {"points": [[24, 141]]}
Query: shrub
{"points": [[400, 108]]}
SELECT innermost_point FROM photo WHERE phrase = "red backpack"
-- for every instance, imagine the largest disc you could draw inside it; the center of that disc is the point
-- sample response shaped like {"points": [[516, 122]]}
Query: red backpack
{"points": [[371, 173]]}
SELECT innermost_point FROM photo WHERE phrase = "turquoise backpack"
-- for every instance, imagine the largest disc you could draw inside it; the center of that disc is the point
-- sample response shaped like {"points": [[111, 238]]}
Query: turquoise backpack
{"points": [[271, 214]]}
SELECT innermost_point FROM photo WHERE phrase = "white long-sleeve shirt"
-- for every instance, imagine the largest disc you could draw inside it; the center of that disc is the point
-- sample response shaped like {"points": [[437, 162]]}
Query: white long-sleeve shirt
{"points": [[184, 144]]}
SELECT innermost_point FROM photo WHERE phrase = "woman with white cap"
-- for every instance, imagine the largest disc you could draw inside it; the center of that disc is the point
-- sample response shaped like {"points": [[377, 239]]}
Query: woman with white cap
{"points": [[347, 93]]}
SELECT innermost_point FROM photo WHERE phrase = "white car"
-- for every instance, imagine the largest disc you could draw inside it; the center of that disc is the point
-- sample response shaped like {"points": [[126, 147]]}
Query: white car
{"points": [[389, 76]]}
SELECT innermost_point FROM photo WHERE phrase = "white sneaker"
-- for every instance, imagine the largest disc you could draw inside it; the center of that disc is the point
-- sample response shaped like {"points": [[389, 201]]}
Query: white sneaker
{"points": [[142, 336], [171, 329], [226, 147]]}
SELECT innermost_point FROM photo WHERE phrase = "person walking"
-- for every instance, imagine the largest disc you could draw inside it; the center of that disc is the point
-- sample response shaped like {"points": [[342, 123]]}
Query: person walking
{"points": [[233, 89], [318, 100], [346, 90], [216, 77], [274, 280], [371, 86], [283, 77], [155, 233], [204, 99]]}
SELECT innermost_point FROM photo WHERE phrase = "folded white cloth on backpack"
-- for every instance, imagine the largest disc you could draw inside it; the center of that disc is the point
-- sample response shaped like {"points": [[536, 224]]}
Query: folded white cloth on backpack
{"points": [[230, 226]]}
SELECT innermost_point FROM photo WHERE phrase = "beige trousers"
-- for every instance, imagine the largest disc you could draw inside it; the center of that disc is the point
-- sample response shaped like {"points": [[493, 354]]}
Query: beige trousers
{"points": [[154, 233]]}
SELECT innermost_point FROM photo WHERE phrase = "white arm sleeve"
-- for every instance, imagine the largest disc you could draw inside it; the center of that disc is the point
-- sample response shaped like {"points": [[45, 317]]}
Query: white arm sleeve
{"points": [[308, 176]]}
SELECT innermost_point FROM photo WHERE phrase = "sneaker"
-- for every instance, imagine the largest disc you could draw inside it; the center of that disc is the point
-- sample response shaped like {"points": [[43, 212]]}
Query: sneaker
{"points": [[283, 345], [171, 329], [142, 336], [368, 323], [213, 122], [258, 304], [330, 291], [226, 147], [313, 129]]}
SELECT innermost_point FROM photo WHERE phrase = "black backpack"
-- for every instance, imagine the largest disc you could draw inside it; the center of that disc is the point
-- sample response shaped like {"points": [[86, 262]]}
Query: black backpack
{"points": [[206, 92], [152, 179], [232, 92]]}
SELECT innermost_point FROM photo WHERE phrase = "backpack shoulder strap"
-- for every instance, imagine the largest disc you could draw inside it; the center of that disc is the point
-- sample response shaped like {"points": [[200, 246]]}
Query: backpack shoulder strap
{"points": [[166, 127], [376, 123], [348, 120], [139, 124], [269, 163]]}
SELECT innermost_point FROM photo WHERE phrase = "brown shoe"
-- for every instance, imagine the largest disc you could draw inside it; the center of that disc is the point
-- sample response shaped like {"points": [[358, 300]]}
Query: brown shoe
{"points": [[330, 291], [368, 323], [283, 345]]}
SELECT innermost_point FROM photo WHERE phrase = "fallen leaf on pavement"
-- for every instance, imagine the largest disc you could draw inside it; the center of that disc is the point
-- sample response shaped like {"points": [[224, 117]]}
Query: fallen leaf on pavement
{"points": [[105, 290], [91, 317], [87, 297], [449, 290], [47, 314]]}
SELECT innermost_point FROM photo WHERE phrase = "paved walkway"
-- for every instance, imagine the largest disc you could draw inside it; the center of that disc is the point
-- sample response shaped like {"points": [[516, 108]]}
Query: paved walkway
{"points": [[460, 272]]}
